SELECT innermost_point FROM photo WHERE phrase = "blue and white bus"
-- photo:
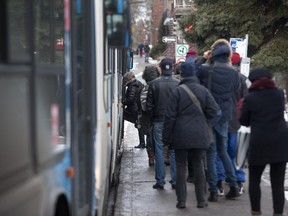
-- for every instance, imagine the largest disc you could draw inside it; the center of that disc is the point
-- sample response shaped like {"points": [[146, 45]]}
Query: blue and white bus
{"points": [[61, 68]]}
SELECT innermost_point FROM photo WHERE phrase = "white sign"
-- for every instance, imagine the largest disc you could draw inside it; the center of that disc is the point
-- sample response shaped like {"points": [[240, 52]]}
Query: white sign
{"points": [[245, 66], [181, 51], [239, 45], [167, 39]]}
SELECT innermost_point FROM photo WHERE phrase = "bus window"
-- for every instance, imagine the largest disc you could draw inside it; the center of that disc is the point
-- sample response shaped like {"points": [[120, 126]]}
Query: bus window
{"points": [[49, 32], [14, 46], [117, 23], [50, 79]]}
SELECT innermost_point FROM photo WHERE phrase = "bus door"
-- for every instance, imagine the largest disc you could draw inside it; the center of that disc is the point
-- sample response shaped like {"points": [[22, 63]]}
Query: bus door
{"points": [[82, 135]]}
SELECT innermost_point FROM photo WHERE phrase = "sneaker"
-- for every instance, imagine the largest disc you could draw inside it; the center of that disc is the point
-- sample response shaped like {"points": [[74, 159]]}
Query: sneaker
{"points": [[181, 205], [173, 186], [241, 188], [221, 191], [233, 193], [141, 145], [158, 186], [213, 197], [220, 188]]}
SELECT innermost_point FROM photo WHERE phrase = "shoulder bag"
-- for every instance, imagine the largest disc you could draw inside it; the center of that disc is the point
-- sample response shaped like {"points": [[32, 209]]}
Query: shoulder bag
{"points": [[197, 103]]}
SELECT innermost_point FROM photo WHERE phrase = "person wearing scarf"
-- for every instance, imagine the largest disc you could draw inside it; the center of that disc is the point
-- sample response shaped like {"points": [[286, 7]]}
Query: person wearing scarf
{"points": [[263, 110]]}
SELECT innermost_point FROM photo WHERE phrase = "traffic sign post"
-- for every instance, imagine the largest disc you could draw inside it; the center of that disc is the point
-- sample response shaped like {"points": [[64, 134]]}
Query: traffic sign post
{"points": [[168, 39], [181, 51]]}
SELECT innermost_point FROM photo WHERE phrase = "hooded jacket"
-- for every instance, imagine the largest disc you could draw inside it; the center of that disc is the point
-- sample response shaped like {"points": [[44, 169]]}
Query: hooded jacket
{"points": [[220, 77], [131, 99]]}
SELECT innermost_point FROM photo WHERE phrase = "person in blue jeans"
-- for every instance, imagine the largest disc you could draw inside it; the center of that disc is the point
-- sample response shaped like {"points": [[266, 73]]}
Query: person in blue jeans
{"points": [[159, 92], [160, 167], [240, 174], [222, 80], [234, 126]]}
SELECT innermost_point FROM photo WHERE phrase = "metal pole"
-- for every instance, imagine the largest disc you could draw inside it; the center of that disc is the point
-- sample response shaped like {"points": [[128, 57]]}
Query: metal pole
{"points": [[246, 47]]}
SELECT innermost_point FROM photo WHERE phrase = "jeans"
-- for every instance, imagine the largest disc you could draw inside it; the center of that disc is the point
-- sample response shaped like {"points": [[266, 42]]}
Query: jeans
{"points": [[231, 149], [219, 145], [146, 57], [160, 167], [277, 176]]}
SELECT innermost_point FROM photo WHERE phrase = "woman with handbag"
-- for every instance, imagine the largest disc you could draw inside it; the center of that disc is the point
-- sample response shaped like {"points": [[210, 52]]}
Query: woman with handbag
{"points": [[263, 110]]}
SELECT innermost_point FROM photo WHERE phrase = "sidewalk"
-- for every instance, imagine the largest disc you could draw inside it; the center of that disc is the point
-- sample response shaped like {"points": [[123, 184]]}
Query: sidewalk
{"points": [[136, 197]]}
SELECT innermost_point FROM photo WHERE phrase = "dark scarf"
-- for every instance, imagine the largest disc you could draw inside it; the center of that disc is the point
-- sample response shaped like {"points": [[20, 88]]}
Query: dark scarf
{"points": [[263, 83]]}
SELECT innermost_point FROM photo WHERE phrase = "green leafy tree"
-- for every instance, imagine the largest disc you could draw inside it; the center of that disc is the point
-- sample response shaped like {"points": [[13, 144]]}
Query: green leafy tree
{"points": [[265, 21]]}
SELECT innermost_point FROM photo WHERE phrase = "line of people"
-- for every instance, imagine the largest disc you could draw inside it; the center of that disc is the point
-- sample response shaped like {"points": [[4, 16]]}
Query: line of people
{"points": [[176, 111]]}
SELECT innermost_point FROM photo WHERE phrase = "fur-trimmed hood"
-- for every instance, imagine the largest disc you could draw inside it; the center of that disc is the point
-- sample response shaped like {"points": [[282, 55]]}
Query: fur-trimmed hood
{"points": [[220, 49]]}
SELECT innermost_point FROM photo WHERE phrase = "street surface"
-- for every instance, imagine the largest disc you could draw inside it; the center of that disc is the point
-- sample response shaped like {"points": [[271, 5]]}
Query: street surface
{"points": [[136, 197]]}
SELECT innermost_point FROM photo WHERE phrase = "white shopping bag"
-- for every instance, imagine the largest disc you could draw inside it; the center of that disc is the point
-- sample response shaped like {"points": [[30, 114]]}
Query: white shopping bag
{"points": [[243, 139]]}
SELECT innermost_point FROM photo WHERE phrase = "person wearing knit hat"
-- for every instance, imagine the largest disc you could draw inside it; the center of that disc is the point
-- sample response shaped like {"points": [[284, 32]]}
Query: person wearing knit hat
{"points": [[186, 127], [262, 110], [259, 73], [236, 59], [191, 53], [187, 69]]}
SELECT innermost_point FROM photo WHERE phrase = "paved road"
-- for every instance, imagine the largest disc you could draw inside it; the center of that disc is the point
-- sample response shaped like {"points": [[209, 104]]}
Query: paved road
{"points": [[136, 197]]}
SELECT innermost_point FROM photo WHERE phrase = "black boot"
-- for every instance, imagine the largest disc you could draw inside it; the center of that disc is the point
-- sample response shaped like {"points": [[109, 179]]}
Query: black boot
{"points": [[141, 139], [233, 193], [213, 197]]}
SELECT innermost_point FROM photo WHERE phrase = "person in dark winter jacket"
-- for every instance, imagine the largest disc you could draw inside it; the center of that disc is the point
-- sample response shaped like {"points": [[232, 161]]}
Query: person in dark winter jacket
{"points": [[186, 127], [146, 50], [234, 126], [263, 110], [130, 103], [150, 73], [159, 92], [222, 80]]}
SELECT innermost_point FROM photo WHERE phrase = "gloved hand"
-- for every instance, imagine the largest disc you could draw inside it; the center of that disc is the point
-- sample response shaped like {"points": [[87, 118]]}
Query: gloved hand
{"points": [[166, 143]]}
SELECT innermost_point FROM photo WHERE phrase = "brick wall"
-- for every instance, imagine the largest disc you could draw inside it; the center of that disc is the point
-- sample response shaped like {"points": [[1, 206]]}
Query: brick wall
{"points": [[157, 12]]}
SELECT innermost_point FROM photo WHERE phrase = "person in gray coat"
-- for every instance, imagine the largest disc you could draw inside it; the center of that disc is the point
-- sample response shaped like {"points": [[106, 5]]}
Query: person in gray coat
{"points": [[263, 110], [186, 127]]}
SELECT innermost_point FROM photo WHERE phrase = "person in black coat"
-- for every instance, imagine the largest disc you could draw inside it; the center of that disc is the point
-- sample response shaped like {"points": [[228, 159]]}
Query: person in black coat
{"points": [[263, 110], [131, 103], [222, 80], [186, 127]]}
